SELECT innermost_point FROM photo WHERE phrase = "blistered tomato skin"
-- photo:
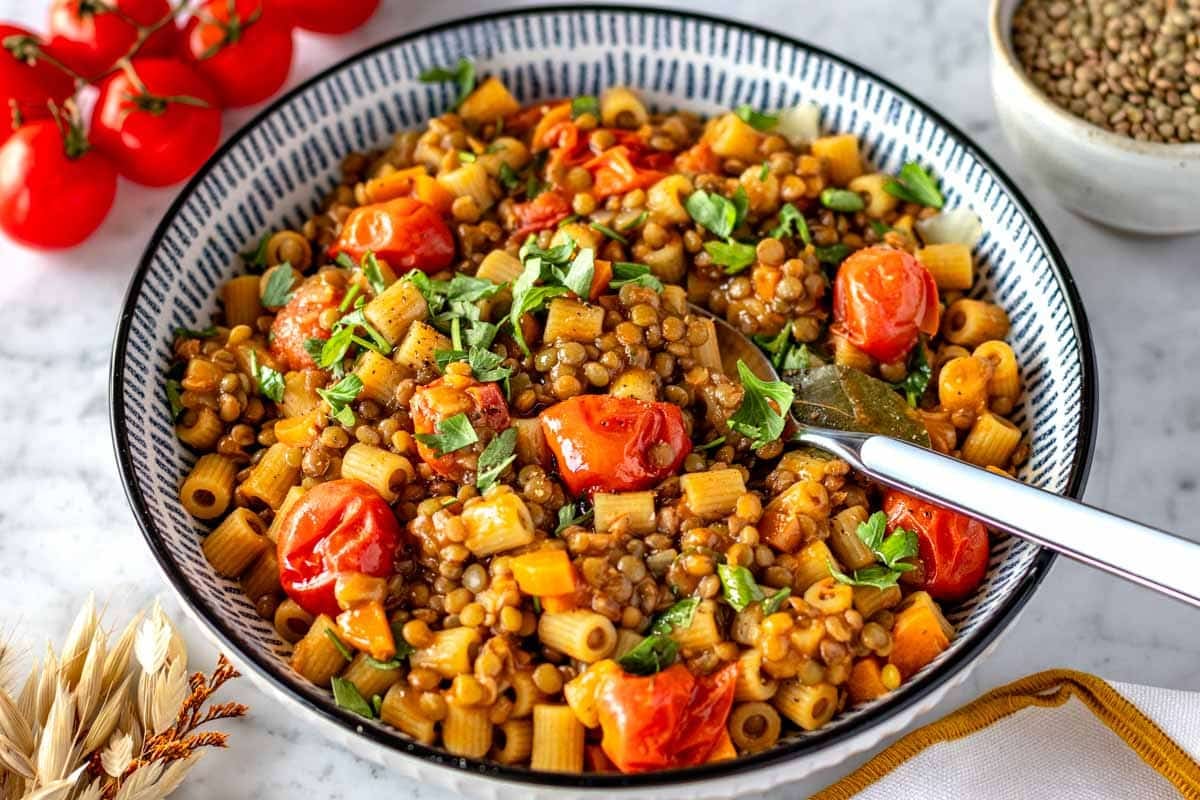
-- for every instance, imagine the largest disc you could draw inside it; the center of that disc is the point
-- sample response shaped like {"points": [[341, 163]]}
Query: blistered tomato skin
{"points": [[484, 405], [336, 527], [89, 37], [883, 299], [26, 89], [953, 547], [615, 444], [241, 47], [300, 320], [406, 233]]}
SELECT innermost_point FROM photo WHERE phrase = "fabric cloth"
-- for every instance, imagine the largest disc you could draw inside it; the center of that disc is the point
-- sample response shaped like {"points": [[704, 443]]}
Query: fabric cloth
{"points": [[1057, 734]]}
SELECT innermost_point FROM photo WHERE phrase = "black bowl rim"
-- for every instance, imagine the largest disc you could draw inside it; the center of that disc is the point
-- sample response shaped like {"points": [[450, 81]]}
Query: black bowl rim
{"points": [[379, 735]]}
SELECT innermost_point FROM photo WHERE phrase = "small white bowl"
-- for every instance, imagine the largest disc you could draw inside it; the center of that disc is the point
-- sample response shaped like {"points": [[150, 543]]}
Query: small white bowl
{"points": [[1141, 187]]}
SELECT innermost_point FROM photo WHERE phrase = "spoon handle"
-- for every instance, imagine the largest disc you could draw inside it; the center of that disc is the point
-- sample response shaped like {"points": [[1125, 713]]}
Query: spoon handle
{"points": [[1147, 556]]}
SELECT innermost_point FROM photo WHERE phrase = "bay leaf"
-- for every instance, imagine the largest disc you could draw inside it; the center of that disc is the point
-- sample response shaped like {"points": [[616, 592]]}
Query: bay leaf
{"points": [[845, 399]]}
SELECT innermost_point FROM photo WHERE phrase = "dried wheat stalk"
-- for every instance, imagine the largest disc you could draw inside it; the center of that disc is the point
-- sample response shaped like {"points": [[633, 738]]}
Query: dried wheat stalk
{"points": [[105, 720]]}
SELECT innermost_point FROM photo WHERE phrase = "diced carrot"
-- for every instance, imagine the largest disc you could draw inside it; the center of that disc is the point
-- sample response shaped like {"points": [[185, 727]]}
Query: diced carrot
{"points": [[544, 573], [724, 749], [297, 431], [366, 627], [541, 139], [393, 185], [698, 159], [865, 683], [919, 634], [602, 275], [766, 280]]}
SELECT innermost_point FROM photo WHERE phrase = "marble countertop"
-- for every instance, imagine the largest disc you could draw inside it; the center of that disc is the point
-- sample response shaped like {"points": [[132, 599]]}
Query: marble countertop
{"points": [[65, 528]]}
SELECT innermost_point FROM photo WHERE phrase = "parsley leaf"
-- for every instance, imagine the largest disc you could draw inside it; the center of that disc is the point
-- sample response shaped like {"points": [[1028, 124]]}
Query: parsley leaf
{"points": [[764, 172], [917, 380], [569, 515], [339, 645], [636, 222], [528, 298], [270, 381], [756, 119], [876, 576], [733, 256], [791, 223], [717, 442], [340, 396], [755, 418], [609, 232], [188, 333], [579, 277], [370, 267], [462, 73], [174, 392], [713, 212], [585, 104], [486, 365], [257, 258], [278, 290], [346, 696], [495, 458], [842, 200], [507, 176], [313, 347], [739, 586], [653, 654], [466, 157], [638, 274], [774, 602], [678, 616], [833, 255], [452, 434], [914, 185], [890, 549]]}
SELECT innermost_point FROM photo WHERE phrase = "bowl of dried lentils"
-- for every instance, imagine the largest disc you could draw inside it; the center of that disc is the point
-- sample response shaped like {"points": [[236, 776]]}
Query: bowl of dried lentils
{"points": [[1101, 98]]}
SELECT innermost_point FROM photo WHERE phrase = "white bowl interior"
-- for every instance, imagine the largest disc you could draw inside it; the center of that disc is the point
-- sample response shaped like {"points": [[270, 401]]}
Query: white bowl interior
{"points": [[272, 174]]}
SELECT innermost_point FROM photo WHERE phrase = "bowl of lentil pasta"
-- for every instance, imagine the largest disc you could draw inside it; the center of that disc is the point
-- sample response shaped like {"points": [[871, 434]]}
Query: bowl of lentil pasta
{"points": [[1102, 100], [423, 398]]}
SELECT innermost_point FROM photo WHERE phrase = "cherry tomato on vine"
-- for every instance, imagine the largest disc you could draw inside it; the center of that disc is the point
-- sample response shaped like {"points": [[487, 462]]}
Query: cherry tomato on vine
{"points": [[953, 547], [615, 444], [882, 299], [242, 47], [335, 528], [158, 121], [54, 189], [27, 81], [90, 35], [327, 16]]}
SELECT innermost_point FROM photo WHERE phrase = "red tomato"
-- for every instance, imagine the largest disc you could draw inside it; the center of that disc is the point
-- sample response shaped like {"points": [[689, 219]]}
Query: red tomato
{"points": [[615, 173], [404, 232], [241, 47], [162, 132], [53, 193], [954, 547], [327, 16], [300, 320], [669, 719], [544, 211], [89, 37], [484, 405], [334, 528], [881, 299], [615, 444], [27, 84]]}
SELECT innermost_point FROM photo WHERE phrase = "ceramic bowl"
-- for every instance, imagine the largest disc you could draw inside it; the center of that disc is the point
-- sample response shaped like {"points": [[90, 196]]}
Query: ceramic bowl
{"points": [[272, 172], [1140, 187]]}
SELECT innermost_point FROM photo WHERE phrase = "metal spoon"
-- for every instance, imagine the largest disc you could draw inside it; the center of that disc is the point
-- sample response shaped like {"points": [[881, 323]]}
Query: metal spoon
{"points": [[1155, 559]]}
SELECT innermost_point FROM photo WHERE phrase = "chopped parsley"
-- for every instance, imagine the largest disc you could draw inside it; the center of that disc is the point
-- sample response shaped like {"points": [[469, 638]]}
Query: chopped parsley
{"points": [[637, 274], [346, 696], [914, 185], [756, 119], [833, 255], [339, 645], [764, 172], [653, 654], [791, 223], [785, 355], [374, 276], [678, 616], [462, 74], [495, 458], [609, 232], [636, 221], [403, 651], [842, 200], [453, 433], [721, 217], [508, 176], [270, 381], [466, 157], [188, 333], [572, 514], [755, 418], [890, 550], [174, 392], [256, 259], [548, 266], [917, 380], [340, 396], [585, 104], [278, 290], [740, 590], [733, 256], [717, 442]]}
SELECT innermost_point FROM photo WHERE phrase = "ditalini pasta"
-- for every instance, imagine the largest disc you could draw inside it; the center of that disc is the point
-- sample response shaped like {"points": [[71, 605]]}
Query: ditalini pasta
{"points": [[465, 440]]}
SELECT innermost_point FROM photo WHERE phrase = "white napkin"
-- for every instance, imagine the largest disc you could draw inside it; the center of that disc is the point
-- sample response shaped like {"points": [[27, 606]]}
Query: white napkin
{"points": [[1066, 752]]}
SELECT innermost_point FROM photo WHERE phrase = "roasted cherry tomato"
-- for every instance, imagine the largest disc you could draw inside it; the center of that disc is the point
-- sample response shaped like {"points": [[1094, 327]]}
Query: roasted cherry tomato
{"points": [[882, 298], [954, 547], [89, 36], [670, 719], [404, 232], [28, 83], [615, 444], [326, 16], [337, 527], [241, 47], [53, 192], [542, 212], [484, 405], [161, 131], [300, 320]]}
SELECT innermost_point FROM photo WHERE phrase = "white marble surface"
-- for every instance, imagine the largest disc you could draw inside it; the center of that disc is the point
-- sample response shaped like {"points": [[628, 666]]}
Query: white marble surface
{"points": [[65, 529]]}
